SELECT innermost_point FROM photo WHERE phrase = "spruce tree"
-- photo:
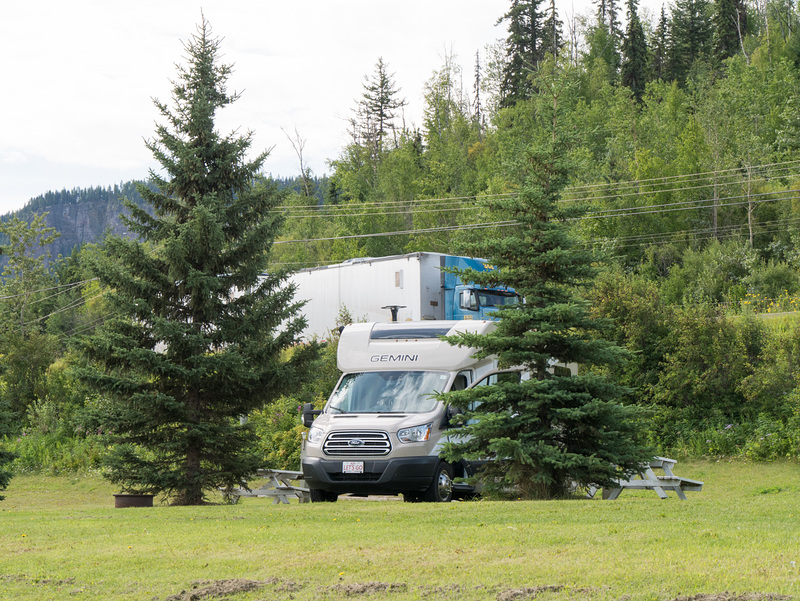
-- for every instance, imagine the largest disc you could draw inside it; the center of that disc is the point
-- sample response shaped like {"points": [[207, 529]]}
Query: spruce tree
{"points": [[553, 35], [200, 337], [730, 26], [634, 54], [523, 50], [543, 435], [660, 46], [692, 37]]}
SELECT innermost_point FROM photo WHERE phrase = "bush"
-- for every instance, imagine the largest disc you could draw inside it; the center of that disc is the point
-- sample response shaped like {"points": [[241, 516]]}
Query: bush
{"points": [[279, 432], [55, 453], [6, 457], [712, 440]]}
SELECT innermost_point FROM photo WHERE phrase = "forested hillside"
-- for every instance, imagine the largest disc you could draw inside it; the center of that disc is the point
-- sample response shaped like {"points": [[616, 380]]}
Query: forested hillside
{"points": [[683, 140], [84, 215]]}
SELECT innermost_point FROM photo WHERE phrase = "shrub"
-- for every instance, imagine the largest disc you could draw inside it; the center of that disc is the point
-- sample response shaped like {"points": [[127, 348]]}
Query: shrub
{"points": [[50, 453]]}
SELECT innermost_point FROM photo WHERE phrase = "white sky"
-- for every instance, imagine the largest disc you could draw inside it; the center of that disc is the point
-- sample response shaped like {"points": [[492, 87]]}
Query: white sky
{"points": [[80, 76]]}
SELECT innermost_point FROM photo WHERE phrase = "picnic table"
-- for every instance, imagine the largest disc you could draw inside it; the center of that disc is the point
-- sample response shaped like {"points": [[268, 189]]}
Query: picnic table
{"points": [[649, 480], [280, 485]]}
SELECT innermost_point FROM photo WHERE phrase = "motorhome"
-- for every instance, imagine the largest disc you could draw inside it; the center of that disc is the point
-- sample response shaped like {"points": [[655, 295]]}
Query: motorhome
{"points": [[382, 428]]}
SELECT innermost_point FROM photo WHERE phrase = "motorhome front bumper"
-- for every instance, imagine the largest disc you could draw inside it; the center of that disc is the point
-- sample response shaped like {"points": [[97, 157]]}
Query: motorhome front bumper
{"points": [[385, 476]]}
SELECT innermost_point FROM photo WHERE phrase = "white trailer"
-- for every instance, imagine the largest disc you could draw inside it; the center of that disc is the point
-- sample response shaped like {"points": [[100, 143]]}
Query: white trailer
{"points": [[410, 287]]}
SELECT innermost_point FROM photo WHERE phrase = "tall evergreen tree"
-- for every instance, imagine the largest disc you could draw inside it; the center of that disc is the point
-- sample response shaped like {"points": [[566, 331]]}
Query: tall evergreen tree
{"points": [[541, 435], [660, 47], [377, 109], [604, 39], [634, 54], [607, 14], [730, 26], [199, 336], [553, 34], [523, 49], [692, 36]]}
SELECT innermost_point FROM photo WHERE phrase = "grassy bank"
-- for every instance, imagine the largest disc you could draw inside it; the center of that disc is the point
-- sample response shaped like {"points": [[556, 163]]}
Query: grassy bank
{"points": [[62, 539]]}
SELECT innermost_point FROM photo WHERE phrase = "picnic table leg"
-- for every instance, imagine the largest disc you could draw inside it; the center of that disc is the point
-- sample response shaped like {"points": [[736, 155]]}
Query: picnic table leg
{"points": [[650, 475]]}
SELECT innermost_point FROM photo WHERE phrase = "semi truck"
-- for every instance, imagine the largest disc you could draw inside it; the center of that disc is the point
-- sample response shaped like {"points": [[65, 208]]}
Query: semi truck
{"points": [[411, 287], [382, 429]]}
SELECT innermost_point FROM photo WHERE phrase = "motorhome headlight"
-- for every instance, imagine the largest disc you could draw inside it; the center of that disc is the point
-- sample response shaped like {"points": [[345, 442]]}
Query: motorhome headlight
{"points": [[415, 434], [315, 435]]}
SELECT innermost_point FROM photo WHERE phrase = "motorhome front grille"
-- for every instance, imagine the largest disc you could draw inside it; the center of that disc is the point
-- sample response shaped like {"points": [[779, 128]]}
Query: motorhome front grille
{"points": [[351, 444]]}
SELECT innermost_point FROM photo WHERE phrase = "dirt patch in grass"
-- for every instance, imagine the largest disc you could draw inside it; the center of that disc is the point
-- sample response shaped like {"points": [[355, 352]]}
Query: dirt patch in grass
{"points": [[368, 588], [528, 592], [726, 596], [209, 589]]}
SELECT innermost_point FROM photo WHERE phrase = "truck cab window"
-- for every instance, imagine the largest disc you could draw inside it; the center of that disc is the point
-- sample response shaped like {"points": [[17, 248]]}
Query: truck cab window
{"points": [[469, 300]]}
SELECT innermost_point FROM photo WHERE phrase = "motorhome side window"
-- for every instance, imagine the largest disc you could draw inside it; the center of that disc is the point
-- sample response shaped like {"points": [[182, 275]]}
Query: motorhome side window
{"points": [[500, 377], [462, 380]]}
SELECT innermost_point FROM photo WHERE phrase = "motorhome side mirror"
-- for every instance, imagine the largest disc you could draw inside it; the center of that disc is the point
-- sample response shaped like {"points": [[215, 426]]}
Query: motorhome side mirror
{"points": [[309, 414], [449, 414]]}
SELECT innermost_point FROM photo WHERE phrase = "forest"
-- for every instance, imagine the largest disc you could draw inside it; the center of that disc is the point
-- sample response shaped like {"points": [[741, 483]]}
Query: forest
{"points": [[682, 139]]}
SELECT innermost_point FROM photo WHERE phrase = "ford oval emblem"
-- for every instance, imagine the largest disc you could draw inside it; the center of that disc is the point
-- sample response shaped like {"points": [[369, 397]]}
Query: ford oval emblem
{"points": [[355, 442]]}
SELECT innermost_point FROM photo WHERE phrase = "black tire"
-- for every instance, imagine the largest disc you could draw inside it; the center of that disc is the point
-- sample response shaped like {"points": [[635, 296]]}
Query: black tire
{"points": [[441, 489], [322, 496]]}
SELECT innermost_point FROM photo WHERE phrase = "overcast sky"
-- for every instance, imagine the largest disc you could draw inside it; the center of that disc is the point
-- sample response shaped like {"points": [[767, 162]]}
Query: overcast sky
{"points": [[80, 76]]}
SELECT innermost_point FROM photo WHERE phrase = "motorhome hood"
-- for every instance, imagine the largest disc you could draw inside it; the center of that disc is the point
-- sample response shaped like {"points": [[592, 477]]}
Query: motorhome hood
{"points": [[390, 422]]}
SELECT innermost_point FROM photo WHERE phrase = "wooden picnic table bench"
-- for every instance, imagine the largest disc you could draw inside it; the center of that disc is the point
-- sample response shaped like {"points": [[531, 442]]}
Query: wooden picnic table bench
{"points": [[280, 486], [648, 480]]}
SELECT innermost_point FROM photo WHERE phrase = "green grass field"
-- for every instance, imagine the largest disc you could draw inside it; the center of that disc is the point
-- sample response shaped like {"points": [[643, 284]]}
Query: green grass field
{"points": [[62, 538]]}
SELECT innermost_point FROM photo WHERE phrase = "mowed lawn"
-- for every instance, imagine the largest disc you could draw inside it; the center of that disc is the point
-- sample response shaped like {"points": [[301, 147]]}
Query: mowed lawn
{"points": [[62, 538]]}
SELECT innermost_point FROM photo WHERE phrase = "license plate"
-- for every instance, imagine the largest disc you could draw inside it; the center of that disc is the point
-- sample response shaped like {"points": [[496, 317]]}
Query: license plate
{"points": [[353, 467]]}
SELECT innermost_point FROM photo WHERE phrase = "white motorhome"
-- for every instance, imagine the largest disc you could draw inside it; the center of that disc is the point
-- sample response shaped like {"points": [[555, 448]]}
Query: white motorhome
{"points": [[382, 428]]}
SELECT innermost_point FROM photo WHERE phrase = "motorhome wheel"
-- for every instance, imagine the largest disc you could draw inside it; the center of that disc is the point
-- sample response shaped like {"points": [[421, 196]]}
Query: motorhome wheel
{"points": [[323, 496], [441, 489]]}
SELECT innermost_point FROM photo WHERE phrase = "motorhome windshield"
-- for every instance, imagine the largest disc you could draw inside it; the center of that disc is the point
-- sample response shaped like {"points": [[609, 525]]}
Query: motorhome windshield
{"points": [[388, 392]]}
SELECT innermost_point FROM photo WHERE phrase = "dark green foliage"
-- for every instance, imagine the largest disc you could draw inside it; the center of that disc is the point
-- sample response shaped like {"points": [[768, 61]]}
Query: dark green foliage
{"points": [[692, 37], [634, 54], [639, 321], [607, 15], [660, 47], [708, 355], [554, 430], [523, 49], [6, 457], [377, 111], [730, 27], [277, 426], [553, 34], [198, 335]]}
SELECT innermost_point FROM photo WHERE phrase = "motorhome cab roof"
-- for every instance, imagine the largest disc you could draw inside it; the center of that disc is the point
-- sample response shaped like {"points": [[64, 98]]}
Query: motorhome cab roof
{"points": [[407, 345]]}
